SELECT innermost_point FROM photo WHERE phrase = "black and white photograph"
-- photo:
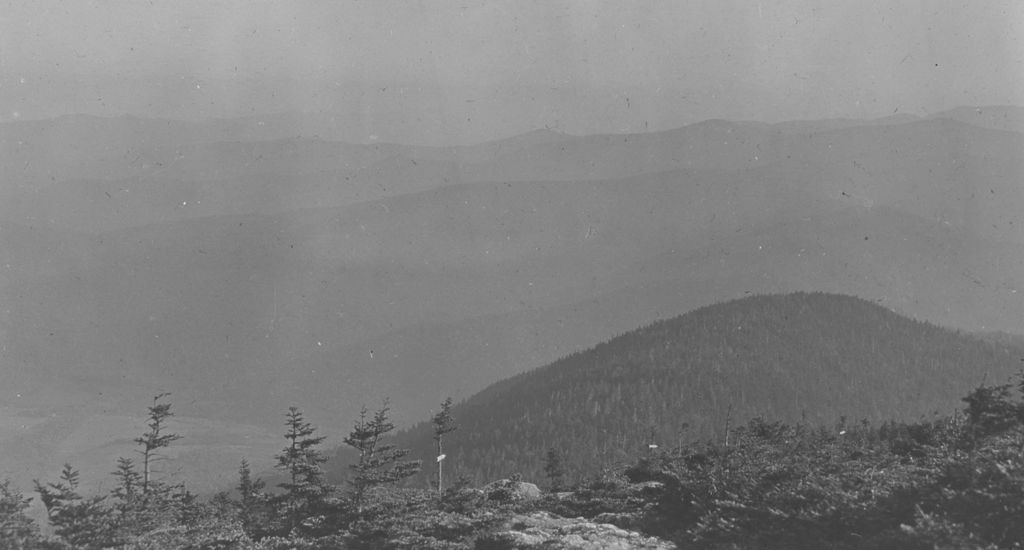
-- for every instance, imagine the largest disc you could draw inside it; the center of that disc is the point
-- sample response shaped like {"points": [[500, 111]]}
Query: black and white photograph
{"points": [[511, 274]]}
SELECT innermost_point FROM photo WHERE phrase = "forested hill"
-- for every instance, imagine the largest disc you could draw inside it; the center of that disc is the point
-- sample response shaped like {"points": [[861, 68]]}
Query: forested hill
{"points": [[803, 357]]}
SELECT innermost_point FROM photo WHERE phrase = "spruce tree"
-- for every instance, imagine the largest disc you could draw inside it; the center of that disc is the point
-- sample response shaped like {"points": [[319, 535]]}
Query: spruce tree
{"points": [[129, 483], [17, 530], [81, 522], [252, 506], [301, 461], [443, 423], [155, 439], [379, 463], [148, 503]]}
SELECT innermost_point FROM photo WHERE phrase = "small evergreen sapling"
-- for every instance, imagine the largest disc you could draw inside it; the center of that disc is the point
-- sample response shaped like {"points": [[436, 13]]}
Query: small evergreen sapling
{"points": [[252, 506], [444, 423], [301, 460], [129, 484], [379, 463]]}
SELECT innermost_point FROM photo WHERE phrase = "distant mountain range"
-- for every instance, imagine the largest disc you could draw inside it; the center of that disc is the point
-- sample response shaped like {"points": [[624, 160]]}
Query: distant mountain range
{"points": [[814, 358], [251, 264]]}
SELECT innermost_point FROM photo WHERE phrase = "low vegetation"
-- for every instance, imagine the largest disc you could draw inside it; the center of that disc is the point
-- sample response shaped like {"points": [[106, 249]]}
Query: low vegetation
{"points": [[954, 481]]}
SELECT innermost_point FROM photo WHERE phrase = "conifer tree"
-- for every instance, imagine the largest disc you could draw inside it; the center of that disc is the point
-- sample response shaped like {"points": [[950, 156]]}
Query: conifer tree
{"points": [[129, 483], [145, 502], [81, 522], [379, 463], [252, 510], [444, 423], [155, 439], [17, 530], [306, 487]]}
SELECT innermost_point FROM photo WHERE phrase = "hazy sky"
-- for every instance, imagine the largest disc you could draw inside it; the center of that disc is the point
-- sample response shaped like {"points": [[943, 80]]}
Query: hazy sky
{"points": [[434, 71]]}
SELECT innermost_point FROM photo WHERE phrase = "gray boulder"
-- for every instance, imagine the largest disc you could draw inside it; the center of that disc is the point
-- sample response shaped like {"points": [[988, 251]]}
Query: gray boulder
{"points": [[507, 490]]}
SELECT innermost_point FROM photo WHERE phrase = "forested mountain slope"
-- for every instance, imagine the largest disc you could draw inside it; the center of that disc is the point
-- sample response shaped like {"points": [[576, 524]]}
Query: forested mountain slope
{"points": [[804, 357]]}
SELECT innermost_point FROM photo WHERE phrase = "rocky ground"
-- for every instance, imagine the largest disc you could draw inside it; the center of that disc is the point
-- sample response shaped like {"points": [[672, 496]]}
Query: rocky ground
{"points": [[545, 530]]}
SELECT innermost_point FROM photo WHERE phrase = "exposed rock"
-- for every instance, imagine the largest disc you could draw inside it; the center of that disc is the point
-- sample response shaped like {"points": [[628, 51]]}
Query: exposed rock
{"points": [[543, 530], [507, 490], [646, 486], [626, 520]]}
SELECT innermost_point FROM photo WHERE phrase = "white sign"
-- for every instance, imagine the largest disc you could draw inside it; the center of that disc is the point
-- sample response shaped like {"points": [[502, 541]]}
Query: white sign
{"points": [[441, 457]]}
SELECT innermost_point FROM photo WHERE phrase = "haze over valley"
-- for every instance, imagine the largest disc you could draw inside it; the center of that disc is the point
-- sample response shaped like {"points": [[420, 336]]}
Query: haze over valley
{"points": [[333, 274]]}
